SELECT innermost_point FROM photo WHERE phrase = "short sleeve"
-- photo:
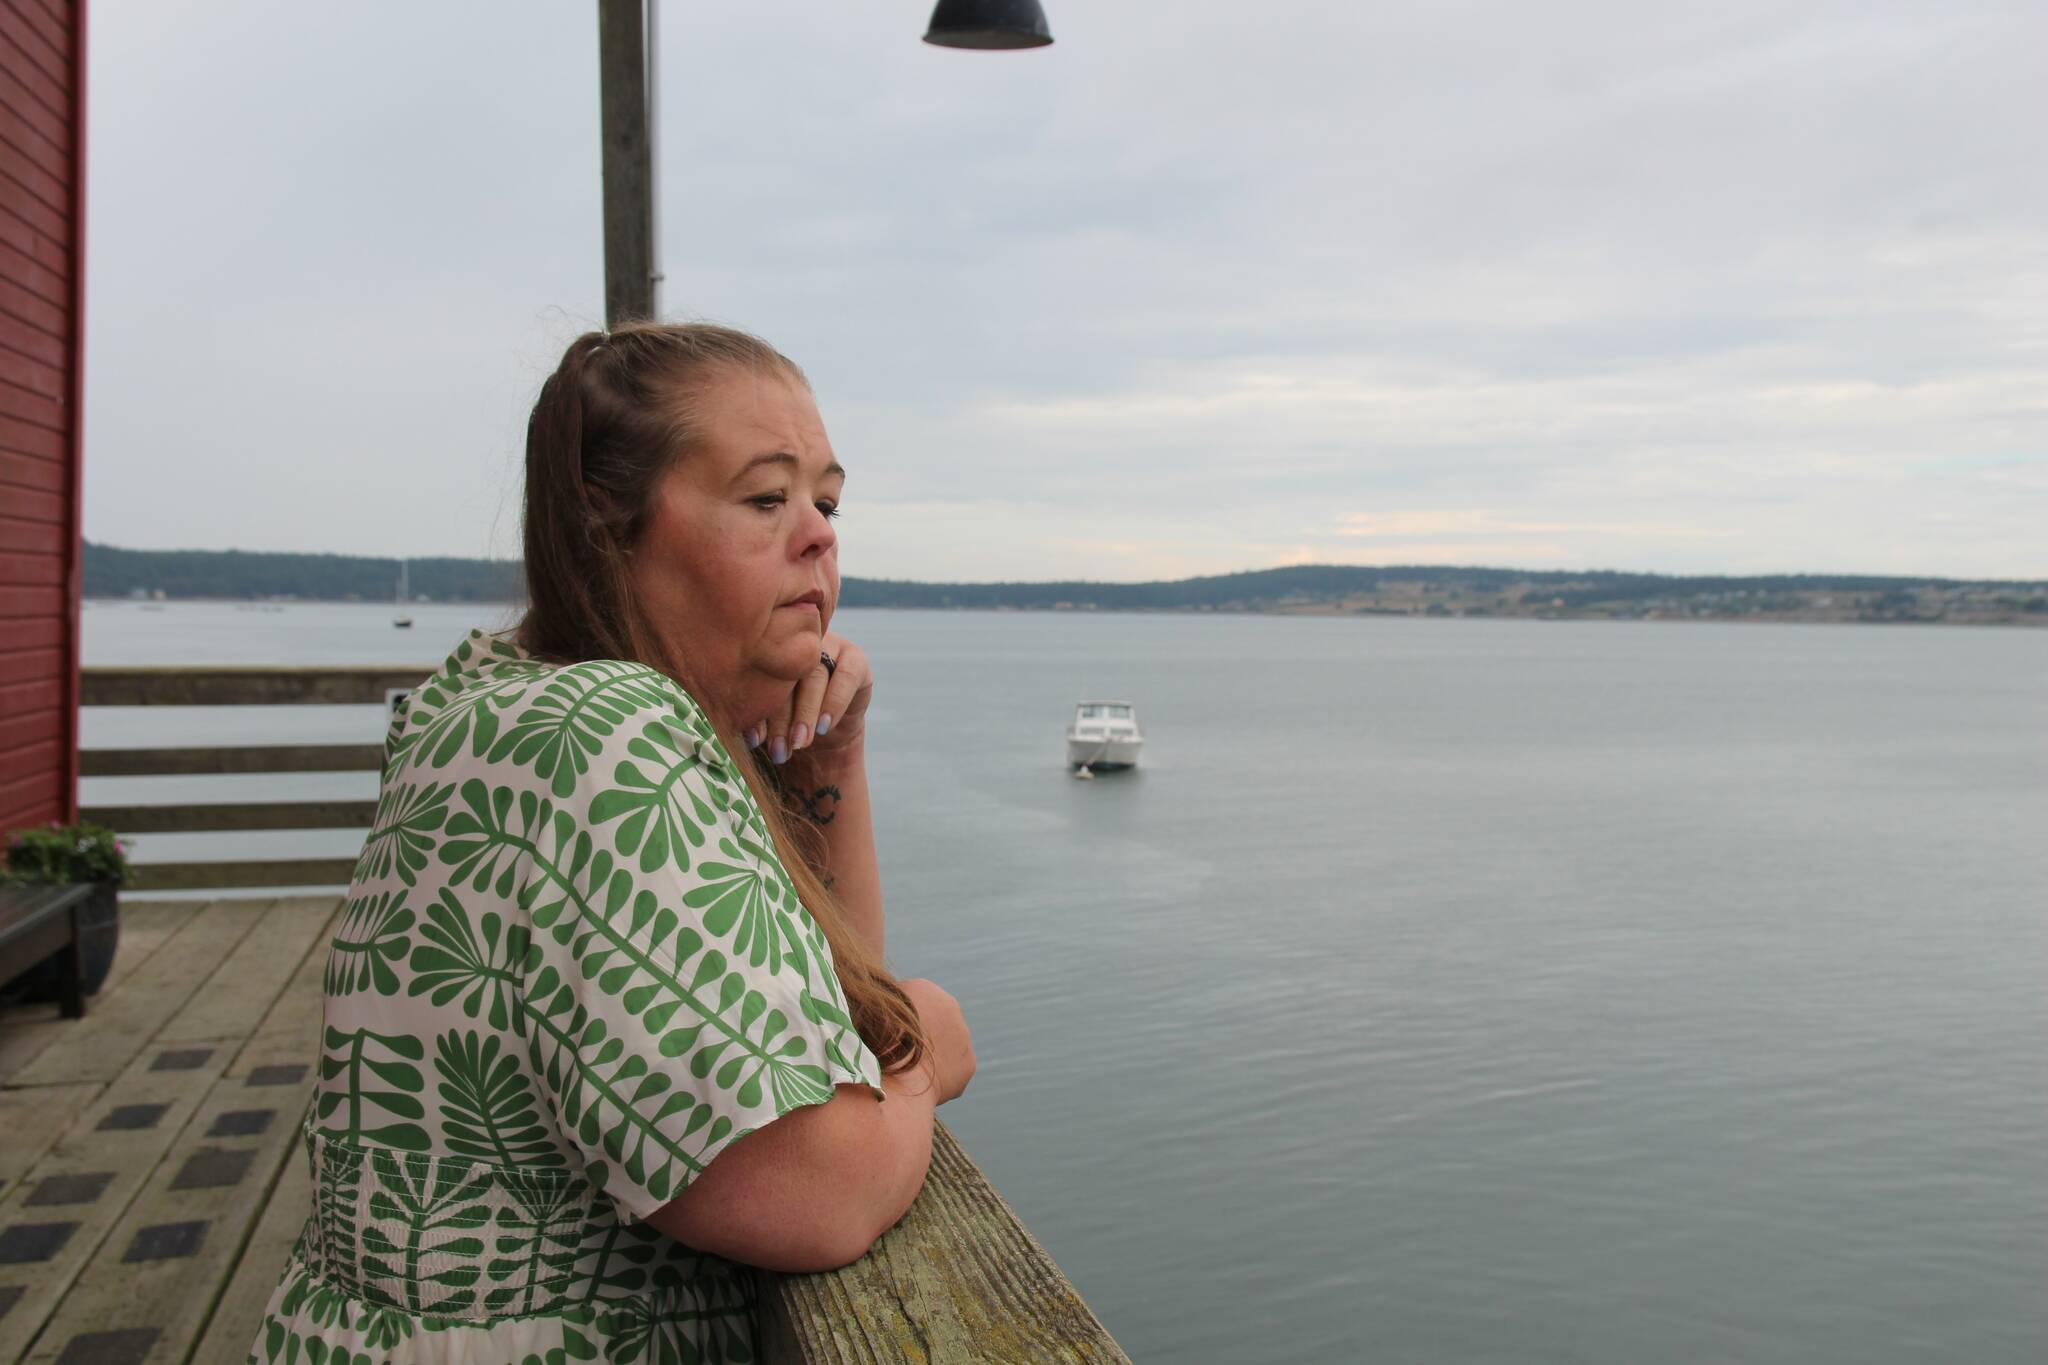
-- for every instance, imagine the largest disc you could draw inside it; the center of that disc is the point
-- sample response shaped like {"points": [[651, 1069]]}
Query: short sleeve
{"points": [[676, 995]]}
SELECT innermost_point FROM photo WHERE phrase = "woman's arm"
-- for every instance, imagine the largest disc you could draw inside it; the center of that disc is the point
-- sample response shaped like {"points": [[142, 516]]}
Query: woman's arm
{"points": [[813, 1189], [834, 790], [828, 773]]}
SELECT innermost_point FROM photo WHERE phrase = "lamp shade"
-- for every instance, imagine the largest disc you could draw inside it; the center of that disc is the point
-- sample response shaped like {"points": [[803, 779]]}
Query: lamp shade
{"points": [[988, 24]]}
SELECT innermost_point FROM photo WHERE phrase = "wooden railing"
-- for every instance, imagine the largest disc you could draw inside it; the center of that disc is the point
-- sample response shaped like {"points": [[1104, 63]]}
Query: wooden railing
{"points": [[960, 1279], [238, 687]]}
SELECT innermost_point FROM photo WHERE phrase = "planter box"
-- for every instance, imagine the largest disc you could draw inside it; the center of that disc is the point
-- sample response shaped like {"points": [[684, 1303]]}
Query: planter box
{"points": [[99, 935]]}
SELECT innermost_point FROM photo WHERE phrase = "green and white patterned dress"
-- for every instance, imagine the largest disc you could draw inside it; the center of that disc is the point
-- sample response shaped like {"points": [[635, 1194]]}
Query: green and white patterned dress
{"points": [[570, 971]]}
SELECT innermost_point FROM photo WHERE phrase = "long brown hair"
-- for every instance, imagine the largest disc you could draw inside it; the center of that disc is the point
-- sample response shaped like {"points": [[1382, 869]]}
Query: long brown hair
{"points": [[618, 410]]}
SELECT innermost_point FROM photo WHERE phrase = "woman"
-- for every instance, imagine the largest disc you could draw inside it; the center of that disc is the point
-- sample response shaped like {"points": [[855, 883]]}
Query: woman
{"points": [[606, 1016]]}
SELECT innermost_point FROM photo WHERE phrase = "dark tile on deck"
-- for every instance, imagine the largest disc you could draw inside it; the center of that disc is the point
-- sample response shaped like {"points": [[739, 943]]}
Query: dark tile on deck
{"points": [[165, 1241], [181, 1059], [70, 1189], [9, 1296], [211, 1166], [129, 1346], [241, 1123], [287, 1074], [134, 1116], [25, 1242]]}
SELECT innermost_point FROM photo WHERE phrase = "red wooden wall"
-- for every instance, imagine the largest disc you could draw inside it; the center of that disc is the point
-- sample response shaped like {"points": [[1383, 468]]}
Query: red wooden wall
{"points": [[42, 156]]}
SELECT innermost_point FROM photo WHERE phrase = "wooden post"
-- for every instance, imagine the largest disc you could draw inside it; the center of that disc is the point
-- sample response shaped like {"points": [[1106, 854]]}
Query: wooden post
{"points": [[628, 161]]}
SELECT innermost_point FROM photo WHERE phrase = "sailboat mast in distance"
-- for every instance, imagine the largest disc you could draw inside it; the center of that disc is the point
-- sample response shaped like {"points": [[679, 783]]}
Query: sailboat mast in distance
{"points": [[402, 621]]}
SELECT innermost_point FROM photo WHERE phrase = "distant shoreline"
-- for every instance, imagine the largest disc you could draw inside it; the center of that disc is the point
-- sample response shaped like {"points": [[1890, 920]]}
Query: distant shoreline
{"points": [[1325, 611], [113, 574]]}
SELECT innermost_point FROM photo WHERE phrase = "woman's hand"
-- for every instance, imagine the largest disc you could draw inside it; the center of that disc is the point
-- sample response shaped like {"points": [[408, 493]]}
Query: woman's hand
{"points": [[827, 712], [951, 1050]]}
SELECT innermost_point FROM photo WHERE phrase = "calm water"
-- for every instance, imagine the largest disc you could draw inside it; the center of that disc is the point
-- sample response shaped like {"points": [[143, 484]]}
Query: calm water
{"points": [[1446, 991]]}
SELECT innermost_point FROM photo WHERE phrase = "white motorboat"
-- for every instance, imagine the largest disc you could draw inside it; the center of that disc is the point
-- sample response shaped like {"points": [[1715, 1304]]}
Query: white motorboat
{"points": [[1104, 737]]}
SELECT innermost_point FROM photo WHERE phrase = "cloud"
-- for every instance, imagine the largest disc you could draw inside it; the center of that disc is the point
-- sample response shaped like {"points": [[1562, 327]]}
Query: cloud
{"points": [[1705, 289], [1488, 526]]}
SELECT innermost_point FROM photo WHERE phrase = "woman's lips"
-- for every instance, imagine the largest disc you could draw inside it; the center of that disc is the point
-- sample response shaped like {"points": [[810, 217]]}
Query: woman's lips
{"points": [[814, 600]]}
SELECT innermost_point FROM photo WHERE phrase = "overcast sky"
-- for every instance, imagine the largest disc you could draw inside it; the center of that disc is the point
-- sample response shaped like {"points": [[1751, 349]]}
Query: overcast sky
{"points": [[1742, 287]]}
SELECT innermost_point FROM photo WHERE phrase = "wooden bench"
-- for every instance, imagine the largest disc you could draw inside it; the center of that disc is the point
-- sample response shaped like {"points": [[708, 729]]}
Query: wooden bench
{"points": [[40, 922]]}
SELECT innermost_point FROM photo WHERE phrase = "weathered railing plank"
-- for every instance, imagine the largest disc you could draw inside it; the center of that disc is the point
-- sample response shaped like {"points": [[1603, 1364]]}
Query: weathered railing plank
{"points": [[959, 1280], [209, 817], [244, 686], [215, 686], [241, 758], [234, 876]]}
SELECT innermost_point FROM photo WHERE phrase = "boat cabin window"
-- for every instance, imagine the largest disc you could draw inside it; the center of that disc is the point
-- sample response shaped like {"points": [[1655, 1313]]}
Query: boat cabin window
{"points": [[1119, 712], [1104, 711]]}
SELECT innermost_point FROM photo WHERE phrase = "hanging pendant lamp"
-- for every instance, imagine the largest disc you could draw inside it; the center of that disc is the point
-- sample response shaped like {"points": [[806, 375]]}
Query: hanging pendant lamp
{"points": [[989, 24]]}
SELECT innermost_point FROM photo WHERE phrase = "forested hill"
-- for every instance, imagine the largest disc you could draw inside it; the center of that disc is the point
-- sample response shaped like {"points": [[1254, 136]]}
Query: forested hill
{"points": [[1432, 590], [112, 572]]}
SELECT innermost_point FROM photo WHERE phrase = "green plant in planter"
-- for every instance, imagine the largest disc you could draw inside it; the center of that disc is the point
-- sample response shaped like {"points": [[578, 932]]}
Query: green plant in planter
{"points": [[56, 855], [60, 855]]}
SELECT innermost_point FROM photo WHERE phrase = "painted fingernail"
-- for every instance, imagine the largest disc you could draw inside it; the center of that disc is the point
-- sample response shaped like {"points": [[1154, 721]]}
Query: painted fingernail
{"points": [[799, 737], [752, 737], [824, 723], [778, 752]]}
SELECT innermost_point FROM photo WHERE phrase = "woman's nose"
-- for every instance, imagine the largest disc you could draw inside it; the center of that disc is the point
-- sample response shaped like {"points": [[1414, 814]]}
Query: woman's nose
{"points": [[815, 534]]}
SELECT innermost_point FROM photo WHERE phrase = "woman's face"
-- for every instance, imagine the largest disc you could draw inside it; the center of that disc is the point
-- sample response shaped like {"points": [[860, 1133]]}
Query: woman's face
{"points": [[739, 565]]}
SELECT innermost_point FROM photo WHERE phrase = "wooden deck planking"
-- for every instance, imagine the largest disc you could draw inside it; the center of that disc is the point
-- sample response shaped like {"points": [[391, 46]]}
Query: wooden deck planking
{"points": [[90, 1150], [117, 1026], [32, 1121], [239, 982], [289, 1032], [239, 1313], [211, 1187], [238, 996], [293, 1020], [25, 1030]]}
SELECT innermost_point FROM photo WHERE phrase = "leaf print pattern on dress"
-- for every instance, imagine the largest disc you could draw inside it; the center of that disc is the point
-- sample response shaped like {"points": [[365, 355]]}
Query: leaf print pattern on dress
{"points": [[402, 832], [569, 971], [539, 1239], [569, 720], [488, 1106], [362, 1059], [415, 1204], [460, 960], [738, 900], [457, 709], [372, 937], [663, 816]]}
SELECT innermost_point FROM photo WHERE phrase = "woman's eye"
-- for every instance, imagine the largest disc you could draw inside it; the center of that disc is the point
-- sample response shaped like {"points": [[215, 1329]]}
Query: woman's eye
{"points": [[830, 509], [768, 502]]}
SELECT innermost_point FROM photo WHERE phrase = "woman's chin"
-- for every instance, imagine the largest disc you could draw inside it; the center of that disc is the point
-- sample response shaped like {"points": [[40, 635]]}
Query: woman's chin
{"points": [[801, 639], [793, 659]]}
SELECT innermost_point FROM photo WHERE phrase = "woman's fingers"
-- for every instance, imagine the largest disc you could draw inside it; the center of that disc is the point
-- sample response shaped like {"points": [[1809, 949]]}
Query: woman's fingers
{"points": [[829, 704], [845, 703], [803, 711], [796, 725]]}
